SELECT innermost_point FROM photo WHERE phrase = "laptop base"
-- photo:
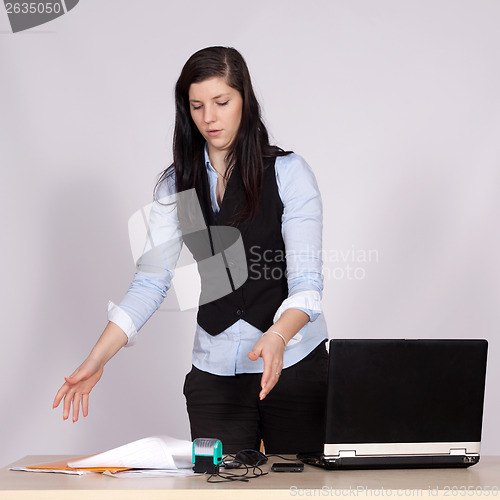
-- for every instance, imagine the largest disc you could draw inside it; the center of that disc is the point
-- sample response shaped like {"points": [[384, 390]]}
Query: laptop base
{"points": [[387, 462]]}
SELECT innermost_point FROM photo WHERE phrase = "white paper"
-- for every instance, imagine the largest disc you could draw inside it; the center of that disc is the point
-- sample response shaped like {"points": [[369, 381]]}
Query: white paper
{"points": [[152, 473], [55, 471], [156, 452]]}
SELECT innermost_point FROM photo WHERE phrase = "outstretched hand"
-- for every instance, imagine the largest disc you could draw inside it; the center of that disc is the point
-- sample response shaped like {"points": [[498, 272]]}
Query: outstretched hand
{"points": [[77, 388], [270, 348]]}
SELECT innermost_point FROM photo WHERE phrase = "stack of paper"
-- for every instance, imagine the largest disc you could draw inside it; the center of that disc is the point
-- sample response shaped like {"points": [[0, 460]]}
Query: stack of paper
{"points": [[152, 456]]}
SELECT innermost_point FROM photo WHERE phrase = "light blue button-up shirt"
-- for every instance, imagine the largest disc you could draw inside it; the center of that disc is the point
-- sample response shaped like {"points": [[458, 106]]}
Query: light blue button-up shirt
{"points": [[301, 227]]}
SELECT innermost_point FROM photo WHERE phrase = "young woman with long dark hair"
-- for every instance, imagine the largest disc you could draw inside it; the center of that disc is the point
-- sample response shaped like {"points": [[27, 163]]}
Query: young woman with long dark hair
{"points": [[259, 357]]}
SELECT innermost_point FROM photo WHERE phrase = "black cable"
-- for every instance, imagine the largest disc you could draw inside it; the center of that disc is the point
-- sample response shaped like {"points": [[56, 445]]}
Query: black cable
{"points": [[231, 476]]}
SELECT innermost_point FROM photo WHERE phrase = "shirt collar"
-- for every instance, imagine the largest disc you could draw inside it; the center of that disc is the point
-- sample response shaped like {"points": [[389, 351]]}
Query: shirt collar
{"points": [[207, 159]]}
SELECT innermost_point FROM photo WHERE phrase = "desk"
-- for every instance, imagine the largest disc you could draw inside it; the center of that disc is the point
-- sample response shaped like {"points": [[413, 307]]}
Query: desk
{"points": [[312, 483]]}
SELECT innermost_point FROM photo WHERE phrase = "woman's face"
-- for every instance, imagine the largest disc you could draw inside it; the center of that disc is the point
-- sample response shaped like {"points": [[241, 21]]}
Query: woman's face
{"points": [[216, 111]]}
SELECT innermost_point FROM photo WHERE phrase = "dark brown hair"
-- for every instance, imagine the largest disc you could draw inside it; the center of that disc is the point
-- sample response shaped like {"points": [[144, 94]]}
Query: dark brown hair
{"points": [[251, 144]]}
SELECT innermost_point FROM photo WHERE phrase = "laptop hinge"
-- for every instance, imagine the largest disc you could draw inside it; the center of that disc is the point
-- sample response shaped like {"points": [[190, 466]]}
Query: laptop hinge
{"points": [[347, 453], [458, 451]]}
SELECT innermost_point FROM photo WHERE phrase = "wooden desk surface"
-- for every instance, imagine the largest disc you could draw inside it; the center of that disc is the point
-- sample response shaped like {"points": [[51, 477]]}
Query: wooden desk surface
{"points": [[482, 480]]}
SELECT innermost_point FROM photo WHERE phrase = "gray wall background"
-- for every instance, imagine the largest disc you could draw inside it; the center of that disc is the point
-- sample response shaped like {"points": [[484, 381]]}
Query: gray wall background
{"points": [[394, 104]]}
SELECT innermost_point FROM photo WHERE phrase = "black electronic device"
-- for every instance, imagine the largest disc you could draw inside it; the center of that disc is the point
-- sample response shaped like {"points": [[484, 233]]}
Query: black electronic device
{"points": [[287, 467], [250, 457], [403, 403]]}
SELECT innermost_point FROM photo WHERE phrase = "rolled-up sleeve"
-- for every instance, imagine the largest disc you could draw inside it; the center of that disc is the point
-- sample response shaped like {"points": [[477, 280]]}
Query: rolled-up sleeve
{"points": [[302, 224]]}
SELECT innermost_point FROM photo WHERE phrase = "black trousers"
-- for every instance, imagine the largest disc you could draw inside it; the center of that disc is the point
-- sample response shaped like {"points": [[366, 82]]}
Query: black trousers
{"points": [[291, 419]]}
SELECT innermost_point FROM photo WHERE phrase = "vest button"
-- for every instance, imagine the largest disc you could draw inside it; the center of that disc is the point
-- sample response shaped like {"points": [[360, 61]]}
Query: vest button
{"points": [[239, 312]]}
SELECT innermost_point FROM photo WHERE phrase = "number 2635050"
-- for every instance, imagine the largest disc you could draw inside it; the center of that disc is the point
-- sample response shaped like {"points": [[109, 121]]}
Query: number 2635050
{"points": [[33, 8], [462, 491]]}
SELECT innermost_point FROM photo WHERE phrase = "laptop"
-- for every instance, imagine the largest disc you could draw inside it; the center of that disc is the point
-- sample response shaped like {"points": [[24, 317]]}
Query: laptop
{"points": [[403, 404]]}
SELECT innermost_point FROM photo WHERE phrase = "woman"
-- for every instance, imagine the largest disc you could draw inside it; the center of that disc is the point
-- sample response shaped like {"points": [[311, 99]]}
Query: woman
{"points": [[259, 356]]}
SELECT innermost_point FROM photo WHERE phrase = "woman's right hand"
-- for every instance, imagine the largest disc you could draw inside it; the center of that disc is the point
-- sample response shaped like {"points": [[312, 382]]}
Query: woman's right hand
{"points": [[77, 388], [78, 385]]}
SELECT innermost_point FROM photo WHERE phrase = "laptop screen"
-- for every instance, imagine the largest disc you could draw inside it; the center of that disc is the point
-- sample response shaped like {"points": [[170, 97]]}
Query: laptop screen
{"points": [[405, 391]]}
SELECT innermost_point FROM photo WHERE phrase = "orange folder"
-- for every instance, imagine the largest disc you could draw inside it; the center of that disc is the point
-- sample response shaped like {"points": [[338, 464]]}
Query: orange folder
{"points": [[63, 465]]}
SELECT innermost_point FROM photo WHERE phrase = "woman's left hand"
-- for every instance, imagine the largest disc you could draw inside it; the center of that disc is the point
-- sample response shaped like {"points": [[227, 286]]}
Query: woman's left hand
{"points": [[270, 348]]}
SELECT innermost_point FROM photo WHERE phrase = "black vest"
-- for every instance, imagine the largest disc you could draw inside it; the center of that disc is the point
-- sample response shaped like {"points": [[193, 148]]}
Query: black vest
{"points": [[257, 298]]}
